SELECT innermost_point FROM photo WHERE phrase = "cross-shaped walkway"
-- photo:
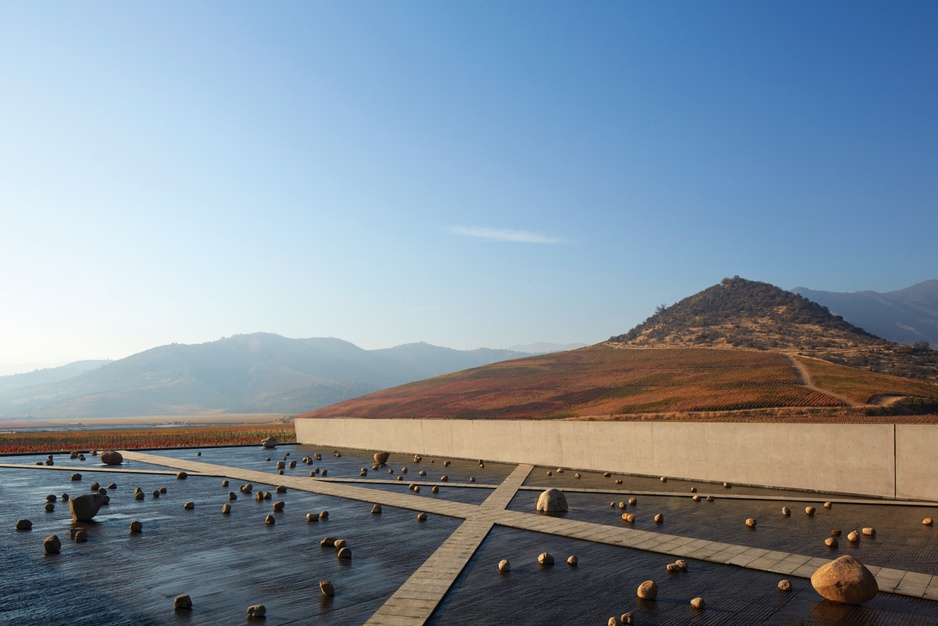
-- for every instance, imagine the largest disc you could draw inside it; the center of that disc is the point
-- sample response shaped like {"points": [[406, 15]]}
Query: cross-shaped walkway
{"points": [[414, 602]]}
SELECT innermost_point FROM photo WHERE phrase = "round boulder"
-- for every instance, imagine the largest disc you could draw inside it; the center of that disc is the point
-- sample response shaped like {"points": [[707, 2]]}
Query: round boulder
{"points": [[504, 566], [552, 501], [76, 476], [24, 524], [85, 507], [327, 589], [111, 458], [270, 442], [845, 580], [136, 527]]}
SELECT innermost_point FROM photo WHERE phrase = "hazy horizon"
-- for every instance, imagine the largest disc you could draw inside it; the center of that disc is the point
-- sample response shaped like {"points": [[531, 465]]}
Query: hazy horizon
{"points": [[464, 175]]}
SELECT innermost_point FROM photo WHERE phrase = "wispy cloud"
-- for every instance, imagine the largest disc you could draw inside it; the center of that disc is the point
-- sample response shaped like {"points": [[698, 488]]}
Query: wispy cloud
{"points": [[503, 234]]}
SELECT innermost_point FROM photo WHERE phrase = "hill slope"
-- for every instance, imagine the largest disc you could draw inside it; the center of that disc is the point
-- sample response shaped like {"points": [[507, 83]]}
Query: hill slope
{"points": [[739, 345], [258, 373], [906, 316]]}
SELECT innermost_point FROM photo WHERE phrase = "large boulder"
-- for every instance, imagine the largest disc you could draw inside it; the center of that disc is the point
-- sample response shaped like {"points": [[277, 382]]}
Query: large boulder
{"points": [[112, 458], [270, 442], [552, 501], [845, 580], [85, 507], [382, 457]]}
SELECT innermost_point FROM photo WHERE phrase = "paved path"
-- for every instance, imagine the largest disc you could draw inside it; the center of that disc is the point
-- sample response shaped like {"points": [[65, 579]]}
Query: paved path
{"points": [[414, 602]]}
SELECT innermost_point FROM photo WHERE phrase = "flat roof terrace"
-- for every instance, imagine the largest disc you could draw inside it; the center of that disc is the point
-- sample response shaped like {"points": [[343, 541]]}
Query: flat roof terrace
{"points": [[444, 569]]}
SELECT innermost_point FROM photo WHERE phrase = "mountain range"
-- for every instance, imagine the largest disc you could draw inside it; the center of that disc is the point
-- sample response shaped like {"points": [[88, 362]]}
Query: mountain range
{"points": [[908, 315], [255, 373]]}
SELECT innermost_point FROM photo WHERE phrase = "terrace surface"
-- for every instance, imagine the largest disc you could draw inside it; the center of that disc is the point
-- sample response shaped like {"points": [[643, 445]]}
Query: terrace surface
{"points": [[443, 570]]}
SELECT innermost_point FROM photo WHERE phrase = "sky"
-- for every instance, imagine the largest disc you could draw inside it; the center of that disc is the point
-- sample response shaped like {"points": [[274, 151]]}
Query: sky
{"points": [[469, 174]]}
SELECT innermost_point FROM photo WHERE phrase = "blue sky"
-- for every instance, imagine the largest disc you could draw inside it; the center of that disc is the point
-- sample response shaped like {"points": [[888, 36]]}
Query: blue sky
{"points": [[466, 174]]}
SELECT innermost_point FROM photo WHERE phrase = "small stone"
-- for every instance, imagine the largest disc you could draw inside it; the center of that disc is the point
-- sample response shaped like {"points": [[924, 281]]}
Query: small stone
{"points": [[327, 542], [869, 532], [607, 475], [853, 536], [697, 603], [338, 544], [617, 481], [94, 486], [727, 485], [673, 568], [572, 561], [659, 518], [831, 542], [545, 558], [80, 535], [326, 588], [504, 566], [246, 488], [281, 465], [269, 520], [278, 505], [24, 524], [136, 527], [139, 495], [324, 515], [648, 590], [382, 457], [928, 521], [693, 489], [681, 563], [628, 518], [786, 511], [404, 470], [550, 473], [400, 479], [422, 473], [626, 619], [162, 489], [784, 585], [76, 476], [112, 486], [421, 517], [695, 498], [199, 453], [189, 505], [633, 501], [835, 532], [225, 509], [751, 522], [434, 489], [224, 483], [376, 509], [312, 517], [232, 496], [182, 603], [156, 493], [446, 463], [613, 621], [344, 554], [827, 505], [472, 479], [50, 507], [709, 498], [52, 545], [664, 479], [809, 511], [622, 505], [576, 475], [257, 611], [181, 476]]}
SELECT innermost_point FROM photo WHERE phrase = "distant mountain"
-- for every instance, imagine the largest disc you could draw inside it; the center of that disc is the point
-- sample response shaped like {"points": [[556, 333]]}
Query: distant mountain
{"points": [[543, 347], [47, 375], [748, 314], [906, 316], [257, 373]]}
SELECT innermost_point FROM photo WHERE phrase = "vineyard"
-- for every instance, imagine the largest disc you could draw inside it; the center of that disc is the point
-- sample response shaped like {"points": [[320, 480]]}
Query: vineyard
{"points": [[137, 438], [597, 381], [863, 386]]}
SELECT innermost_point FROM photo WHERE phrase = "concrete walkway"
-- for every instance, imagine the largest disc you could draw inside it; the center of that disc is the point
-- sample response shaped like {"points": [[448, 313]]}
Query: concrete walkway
{"points": [[418, 597]]}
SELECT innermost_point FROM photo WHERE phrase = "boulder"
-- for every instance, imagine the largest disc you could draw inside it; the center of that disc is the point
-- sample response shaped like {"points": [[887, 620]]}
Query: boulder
{"points": [[24, 524], [257, 611], [232, 496], [312, 517], [111, 458], [504, 566], [182, 603], [52, 545], [269, 520], [434, 489], [382, 457], [421, 517], [50, 507], [751, 522], [869, 532], [659, 518], [376, 509], [809, 511], [76, 476], [786, 511], [545, 558], [633, 501], [648, 590], [270, 442], [327, 542], [95, 486], [136, 527], [327, 589], [831, 542], [338, 544], [80, 535], [51, 497], [64, 497], [181, 475], [845, 580], [552, 501], [344, 554], [112, 486], [697, 603], [853, 536], [928, 521], [278, 505], [572, 561], [189, 505], [225, 509], [85, 507], [324, 515], [224, 483]]}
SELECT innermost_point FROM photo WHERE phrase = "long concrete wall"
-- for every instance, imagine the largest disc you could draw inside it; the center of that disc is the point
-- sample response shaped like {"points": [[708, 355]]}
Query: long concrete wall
{"points": [[882, 460]]}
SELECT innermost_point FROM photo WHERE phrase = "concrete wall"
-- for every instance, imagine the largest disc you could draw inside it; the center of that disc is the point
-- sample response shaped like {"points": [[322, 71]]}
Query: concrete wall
{"points": [[883, 460]]}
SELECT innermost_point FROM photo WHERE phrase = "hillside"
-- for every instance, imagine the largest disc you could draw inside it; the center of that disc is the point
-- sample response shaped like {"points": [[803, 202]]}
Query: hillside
{"points": [[741, 313], [906, 316], [737, 346], [258, 373]]}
